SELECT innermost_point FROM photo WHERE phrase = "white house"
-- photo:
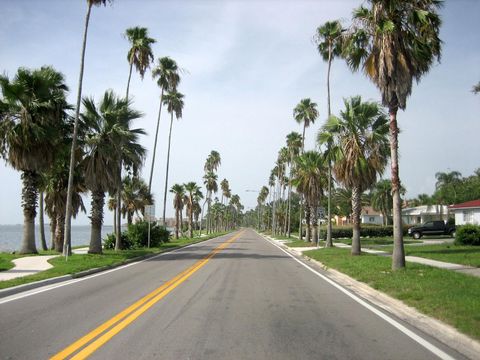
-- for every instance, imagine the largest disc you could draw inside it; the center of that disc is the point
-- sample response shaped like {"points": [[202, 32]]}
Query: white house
{"points": [[467, 212], [423, 213], [370, 216]]}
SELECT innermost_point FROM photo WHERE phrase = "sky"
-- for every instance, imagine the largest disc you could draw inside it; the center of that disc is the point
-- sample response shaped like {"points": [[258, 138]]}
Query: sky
{"points": [[247, 65]]}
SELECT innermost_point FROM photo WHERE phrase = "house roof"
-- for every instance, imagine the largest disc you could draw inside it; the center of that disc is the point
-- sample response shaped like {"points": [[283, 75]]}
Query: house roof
{"points": [[425, 210], [368, 210], [468, 204]]}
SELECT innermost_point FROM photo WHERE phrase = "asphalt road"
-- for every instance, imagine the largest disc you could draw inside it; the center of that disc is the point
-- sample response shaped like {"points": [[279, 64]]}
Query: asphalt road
{"points": [[248, 300]]}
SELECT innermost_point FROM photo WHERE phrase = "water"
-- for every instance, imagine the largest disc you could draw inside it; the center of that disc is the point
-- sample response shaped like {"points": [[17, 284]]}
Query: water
{"points": [[11, 236]]}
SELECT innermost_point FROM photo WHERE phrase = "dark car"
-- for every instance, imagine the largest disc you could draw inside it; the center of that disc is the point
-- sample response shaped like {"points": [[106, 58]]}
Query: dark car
{"points": [[432, 228]]}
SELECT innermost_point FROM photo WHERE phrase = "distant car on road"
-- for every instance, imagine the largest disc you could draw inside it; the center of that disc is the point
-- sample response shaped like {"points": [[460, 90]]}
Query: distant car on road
{"points": [[432, 228]]}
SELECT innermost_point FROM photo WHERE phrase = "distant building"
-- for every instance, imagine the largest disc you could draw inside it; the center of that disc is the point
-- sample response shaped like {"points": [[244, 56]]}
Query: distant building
{"points": [[467, 212], [420, 214], [371, 216]]}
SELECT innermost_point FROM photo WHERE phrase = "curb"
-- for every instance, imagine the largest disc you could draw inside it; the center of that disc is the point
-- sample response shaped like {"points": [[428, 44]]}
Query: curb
{"points": [[36, 284], [437, 329]]}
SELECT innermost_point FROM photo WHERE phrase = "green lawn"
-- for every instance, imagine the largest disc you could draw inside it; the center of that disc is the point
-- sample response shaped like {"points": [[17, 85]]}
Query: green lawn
{"points": [[466, 255], [376, 241], [302, 243], [446, 295], [77, 263]]}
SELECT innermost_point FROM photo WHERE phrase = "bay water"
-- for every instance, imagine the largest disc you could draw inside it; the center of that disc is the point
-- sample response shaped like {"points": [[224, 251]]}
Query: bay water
{"points": [[11, 236]]}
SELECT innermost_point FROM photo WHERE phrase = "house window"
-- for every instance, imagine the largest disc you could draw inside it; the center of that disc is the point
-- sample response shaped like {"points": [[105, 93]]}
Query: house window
{"points": [[468, 217], [371, 219]]}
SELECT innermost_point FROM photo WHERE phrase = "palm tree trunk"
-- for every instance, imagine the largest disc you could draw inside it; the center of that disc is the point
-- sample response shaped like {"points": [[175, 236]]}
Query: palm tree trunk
{"points": [[329, 242], [98, 200], [128, 82], [398, 256], [289, 202], [177, 220], [68, 212], [41, 221], [53, 229], [59, 233], [307, 223], [29, 204], [168, 165], [118, 238], [190, 220], [356, 208], [314, 225], [155, 144]]}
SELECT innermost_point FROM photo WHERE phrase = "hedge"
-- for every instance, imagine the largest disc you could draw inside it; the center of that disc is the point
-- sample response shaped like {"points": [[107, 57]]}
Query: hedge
{"points": [[365, 231], [467, 235], [137, 236]]}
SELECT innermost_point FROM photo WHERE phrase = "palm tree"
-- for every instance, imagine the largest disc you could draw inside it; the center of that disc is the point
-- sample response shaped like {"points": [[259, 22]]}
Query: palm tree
{"points": [[108, 139], [213, 161], [192, 196], [360, 144], [294, 143], [395, 42], [168, 76], [476, 88], [210, 181], [174, 102], [329, 45], [140, 54], [309, 179], [225, 186], [34, 114], [305, 113], [179, 192], [135, 196], [445, 186], [68, 211]]}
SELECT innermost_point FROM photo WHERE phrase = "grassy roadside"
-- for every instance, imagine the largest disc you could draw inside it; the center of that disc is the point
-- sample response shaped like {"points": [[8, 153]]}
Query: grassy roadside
{"points": [[466, 255], [81, 262], [446, 295], [376, 241]]}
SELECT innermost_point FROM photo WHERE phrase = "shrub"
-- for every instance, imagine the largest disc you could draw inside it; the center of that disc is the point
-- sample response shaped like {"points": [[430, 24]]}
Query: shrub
{"points": [[365, 231], [109, 242], [468, 235], [138, 234]]}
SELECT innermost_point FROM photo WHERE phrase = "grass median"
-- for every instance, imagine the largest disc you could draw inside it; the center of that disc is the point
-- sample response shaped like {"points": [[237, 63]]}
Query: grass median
{"points": [[465, 255], [446, 295], [82, 262]]}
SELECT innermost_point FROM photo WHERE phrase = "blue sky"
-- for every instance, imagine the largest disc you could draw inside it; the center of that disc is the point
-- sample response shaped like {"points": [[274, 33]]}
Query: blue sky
{"points": [[248, 63]]}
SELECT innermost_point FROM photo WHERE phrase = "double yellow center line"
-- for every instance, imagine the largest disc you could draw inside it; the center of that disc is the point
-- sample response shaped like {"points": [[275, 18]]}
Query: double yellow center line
{"points": [[112, 327]]}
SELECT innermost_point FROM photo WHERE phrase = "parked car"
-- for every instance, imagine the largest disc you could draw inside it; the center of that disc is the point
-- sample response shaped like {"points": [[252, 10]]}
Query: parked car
{"points": [[432, 228]]}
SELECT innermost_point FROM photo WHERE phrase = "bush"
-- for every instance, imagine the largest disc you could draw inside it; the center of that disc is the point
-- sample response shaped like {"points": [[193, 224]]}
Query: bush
{"points": [[137, 234], [468, 235], [365, 231], [109, 242]]}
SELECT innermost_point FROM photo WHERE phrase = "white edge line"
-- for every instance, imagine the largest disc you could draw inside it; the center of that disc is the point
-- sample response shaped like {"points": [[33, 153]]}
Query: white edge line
{"points": [[73, 281], [429, 346]]}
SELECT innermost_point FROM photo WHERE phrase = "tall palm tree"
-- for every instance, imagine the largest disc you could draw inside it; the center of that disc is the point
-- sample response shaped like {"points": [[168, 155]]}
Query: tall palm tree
{"points": [[179, 192], [329, 45], [310, 180], [210, 181], [211, 165], [305, 113], [168, 76], [360, 143], [174, 102], [381, 198], [225, 186], [445, 186], [192, 196], [294, 143], [108, 139], [34, 114], [140, 53], [395, 42], [68, 211]]}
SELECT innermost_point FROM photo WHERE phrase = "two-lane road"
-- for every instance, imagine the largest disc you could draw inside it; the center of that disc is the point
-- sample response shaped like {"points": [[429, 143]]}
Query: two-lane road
{"points": [[233, 297]]}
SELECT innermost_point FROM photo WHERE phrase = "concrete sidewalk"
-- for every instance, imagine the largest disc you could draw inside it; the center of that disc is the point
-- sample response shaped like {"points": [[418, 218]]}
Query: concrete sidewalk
{"points": [[30, 265], [415, 259]]}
